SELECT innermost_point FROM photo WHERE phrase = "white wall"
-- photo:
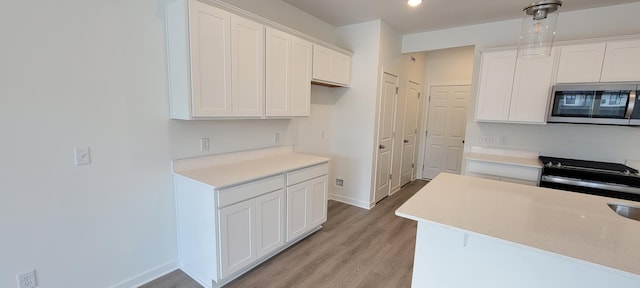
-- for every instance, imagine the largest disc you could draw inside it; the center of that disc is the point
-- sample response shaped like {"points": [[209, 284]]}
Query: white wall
{"points": [[283, 13], [354, 115], [453, 66], [376, 49], [589, 23], [93, 73], [411, 70], [604, 143], [391, 63]]}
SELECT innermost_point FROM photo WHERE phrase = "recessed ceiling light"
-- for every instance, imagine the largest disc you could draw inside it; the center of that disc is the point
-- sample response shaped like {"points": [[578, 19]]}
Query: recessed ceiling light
{"points": [[414, 2]]}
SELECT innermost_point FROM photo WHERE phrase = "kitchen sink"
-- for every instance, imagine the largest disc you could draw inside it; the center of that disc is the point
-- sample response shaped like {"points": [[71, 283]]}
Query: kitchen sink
{"points": [[626, 211]]}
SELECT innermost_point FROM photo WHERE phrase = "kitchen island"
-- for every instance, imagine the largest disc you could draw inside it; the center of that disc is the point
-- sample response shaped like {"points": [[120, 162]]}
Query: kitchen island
{"points": [[475, 232]]}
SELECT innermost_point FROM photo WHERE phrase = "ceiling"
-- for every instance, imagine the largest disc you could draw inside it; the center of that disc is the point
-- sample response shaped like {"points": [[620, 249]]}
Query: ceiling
{"points": [[431, 14]]}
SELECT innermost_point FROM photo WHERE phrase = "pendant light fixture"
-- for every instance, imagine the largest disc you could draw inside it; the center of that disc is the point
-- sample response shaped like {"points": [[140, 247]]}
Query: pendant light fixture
{"points": [[538, 28], [414, 3]]}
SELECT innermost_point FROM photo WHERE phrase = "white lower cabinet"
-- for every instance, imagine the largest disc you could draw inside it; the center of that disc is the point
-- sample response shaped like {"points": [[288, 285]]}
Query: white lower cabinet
{"points": [[306, 206], [250, 230], [237, 233], [225, 232], [270, 227]]}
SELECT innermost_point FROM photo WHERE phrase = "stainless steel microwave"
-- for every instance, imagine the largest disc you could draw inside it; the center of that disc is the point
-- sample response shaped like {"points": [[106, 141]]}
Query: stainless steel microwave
{"points": [[596, 103]]}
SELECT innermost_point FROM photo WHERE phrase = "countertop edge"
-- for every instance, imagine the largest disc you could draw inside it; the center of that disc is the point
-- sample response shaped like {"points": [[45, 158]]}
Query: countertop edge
{"points": [[231, 174]]}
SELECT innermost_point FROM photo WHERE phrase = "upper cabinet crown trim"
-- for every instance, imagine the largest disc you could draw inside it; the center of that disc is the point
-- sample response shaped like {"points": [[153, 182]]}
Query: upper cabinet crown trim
{"points": [[272, 24]]}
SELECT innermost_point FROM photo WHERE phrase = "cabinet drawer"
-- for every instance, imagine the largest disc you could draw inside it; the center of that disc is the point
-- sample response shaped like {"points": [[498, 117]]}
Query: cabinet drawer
{"points": [[305, 174], [249, 190]]}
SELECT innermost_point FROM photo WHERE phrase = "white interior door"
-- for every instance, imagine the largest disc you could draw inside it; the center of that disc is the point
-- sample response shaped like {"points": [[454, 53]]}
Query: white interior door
{"points": [[445, 130], [388, 98], [410, 129]]}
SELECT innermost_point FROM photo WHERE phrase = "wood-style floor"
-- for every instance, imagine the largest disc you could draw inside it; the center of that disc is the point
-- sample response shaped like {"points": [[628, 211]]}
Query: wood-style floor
{"points": [[356, 248]]}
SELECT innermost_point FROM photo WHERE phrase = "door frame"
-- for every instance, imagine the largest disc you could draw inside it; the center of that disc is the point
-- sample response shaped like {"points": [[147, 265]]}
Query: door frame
{"points": [[425, 118], [374, 170], [416, 140]]}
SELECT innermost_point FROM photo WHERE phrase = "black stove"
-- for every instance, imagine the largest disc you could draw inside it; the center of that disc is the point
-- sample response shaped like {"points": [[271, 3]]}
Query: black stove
{"points": [[591, 177]]}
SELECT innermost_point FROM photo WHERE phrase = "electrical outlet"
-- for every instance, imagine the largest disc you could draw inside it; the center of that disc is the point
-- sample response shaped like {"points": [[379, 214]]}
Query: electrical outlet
{"points": [[82, 155], [27, 279], [486, 140], [504, 140], [339, 182], [204, 144], [276, 138]]}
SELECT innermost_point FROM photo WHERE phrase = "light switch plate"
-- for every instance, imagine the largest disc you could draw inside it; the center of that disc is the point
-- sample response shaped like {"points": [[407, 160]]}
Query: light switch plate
{"points": [[82, 155]]}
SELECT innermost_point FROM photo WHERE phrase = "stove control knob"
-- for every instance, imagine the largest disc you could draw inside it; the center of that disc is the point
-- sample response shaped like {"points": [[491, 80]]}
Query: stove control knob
{"points": [[558, 165], [549, 164], [626, 172]]}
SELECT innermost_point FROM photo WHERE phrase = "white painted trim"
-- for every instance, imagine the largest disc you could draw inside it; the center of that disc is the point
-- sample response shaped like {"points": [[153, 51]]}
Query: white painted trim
{"points": [[264, 21], [149, 275], [351, 201]]}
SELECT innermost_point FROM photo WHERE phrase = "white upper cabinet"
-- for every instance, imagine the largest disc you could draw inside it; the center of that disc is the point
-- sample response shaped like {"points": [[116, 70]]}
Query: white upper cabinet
{"points": [[200, 79], [621, 61], [600, 62], [247, 62], [531, 89], [514, 90], [288, 74], [216, 62], [301, 65], [580, 63], [224, 66], [331, 67], [495, 85], [211, 68]]}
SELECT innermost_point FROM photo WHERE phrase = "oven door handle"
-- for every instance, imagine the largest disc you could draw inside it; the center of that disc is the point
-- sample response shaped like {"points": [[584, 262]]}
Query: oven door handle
{"points": [[632, 104], [590, 184]]}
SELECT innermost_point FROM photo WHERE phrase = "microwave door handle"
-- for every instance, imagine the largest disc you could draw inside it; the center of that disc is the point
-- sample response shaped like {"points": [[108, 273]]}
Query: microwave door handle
{"points": [[632, 104]]}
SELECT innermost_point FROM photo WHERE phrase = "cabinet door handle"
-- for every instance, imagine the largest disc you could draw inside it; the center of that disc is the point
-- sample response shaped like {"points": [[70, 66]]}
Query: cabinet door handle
{"points": [[381, 146], [406, 141]]}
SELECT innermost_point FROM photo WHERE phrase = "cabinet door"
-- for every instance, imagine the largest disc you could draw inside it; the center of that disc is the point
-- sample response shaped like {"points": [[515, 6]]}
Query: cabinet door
{"points": [[301, 51], [621, 61], [247, 58], [270, 221], [341, 68], [237, 228], [322, 63], [531, 89], [580, 63], [317, 201], [495, 85], [210, 60], [331, 66], [278, 73], [297, 199]]}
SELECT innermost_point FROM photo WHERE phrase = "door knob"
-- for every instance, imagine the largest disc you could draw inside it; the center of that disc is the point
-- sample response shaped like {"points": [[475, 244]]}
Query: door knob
{"points": [[381, 146]]}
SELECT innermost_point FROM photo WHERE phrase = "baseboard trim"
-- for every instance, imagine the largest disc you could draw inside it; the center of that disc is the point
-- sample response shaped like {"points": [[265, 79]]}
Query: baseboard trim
{"points": [[149, 275], [351, 201]]}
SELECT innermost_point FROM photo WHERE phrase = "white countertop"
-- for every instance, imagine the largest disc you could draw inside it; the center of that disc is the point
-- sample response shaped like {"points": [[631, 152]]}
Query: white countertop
{"points": [[504, 159], [222, 171], [576, 225]]}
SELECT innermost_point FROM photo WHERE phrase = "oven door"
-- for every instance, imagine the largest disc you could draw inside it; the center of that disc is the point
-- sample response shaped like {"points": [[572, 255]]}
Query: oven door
{"points": [[612, 190], [593, 104]]}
